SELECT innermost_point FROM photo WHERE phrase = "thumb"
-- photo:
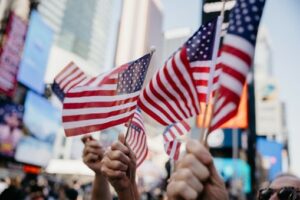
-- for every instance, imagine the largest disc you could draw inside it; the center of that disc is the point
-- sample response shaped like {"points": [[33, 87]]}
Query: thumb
{"points": [[121, 138]]}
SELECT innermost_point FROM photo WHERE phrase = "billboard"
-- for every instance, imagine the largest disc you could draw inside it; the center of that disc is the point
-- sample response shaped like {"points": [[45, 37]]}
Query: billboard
{"points": [[271, 152], [36, 51], [236, 169], [10, 54], [43, 122], [239, 121], [11, 117]]}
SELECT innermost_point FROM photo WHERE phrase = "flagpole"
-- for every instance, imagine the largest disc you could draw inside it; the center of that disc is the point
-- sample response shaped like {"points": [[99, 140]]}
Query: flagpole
{"points": [[204, 130], [152, 50]]}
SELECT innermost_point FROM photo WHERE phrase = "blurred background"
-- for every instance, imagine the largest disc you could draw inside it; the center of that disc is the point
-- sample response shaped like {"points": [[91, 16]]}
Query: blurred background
{"points": [[39, 37]]}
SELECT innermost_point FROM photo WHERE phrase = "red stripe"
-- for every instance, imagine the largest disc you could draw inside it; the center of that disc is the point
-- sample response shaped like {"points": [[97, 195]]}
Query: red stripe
{"points": [[93, 128], [80, 117], [232, 72], [166, 103], [171, 133], [203, 82], [67, 75], [91, 93], [222, 120], [178, 129], [186, 63], [99, 104], [238, 53], [186, 125], [154, 104], [200, 69], [73, 79], [171, 96], [176, 156], [143, 158], [183, 82], [64, 70], [150, 113]]}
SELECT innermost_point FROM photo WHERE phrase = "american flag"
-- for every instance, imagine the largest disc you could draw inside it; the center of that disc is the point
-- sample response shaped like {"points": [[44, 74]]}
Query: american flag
{"points": [[136, 138], [173, 94], [69, 77], [108, 100], [236, 58], [171, 135]]}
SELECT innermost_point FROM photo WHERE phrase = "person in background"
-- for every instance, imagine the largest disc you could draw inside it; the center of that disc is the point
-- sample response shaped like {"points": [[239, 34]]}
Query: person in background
{"points": [[119, 166], [13, 191], [283, 187], [92, 156]]}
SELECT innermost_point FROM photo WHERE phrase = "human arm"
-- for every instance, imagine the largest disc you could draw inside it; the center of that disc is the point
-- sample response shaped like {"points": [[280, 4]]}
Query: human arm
{"points": [[92, 156], [196, 177], [119, 165]]}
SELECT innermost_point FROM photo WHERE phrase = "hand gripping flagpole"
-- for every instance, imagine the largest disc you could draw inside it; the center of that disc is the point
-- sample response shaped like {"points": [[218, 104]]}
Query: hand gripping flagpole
{"points": [[204, 130], [152, 50]]}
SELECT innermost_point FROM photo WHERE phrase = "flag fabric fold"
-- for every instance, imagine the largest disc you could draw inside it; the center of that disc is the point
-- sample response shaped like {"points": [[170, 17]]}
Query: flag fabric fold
{"points": [[101, 102], [237, 54], [136, 138], [174, 93], [68, 78]]}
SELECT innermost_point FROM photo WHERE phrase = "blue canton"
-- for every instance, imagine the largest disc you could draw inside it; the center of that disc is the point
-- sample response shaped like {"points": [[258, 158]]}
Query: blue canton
{"points": [[200, 46], [131, 80], [244, 19]]}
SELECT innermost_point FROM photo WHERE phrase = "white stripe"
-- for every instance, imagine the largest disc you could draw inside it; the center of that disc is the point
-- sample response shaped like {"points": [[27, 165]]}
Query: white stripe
{"points": [[168, 136], [170, 88], [174, 147], [100, 98], [204, 89], [201, 76], [189, 81], [182, 128], [239, 43], [136, 142], [166, 97], [143, 153], [219, 103], [84, 111], [232, 84], [225, 111], [68, 71], [154, 109], [165, 108], [235, 63], [84, 123], [74, 82], [67, 79], [199, 64], [79, 89], [141, 144], [203, 63]]}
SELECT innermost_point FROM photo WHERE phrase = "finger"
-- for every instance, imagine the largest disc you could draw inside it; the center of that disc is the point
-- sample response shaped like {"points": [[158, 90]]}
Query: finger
{"points": [[179, 189], [120, 146], [187, 176], [88, 149], [200, 151], [112, 174], [121, 138], [116, 165], [118, 155], [215, 177], [86, 138], [198, 169], [90, 158], [93, 144]]}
